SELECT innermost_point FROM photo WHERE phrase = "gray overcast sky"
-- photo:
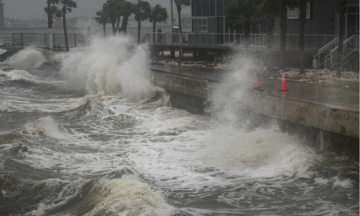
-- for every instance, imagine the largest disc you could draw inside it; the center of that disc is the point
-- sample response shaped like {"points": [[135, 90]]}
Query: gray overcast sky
{"points": [[32, 9]]}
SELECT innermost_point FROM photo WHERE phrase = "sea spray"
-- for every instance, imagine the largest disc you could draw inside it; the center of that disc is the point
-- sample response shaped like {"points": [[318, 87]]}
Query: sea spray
{"points": [[125, 196], [44, 126], [236, 85], [27, 58], [260, 153], [239, 142], [19, 75], [110, 66]]}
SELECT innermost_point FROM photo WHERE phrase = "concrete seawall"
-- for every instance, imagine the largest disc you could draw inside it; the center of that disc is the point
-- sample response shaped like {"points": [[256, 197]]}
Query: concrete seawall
{"points": [[326, 127]]}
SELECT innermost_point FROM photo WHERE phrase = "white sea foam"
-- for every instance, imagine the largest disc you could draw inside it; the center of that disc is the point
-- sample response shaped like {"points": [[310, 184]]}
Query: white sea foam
{"points": [[19, 75], [111, 66], [128, 196], [344, 183], [194, 158], [27, 58], [259, 153], [125, 196], [2, 51], [45, 125]]}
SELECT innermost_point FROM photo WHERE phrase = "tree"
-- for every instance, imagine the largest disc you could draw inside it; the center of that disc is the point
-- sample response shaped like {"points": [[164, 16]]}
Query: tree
{"points": [[157, 14], [67, 7], [267, 11], [126, 9], [284, 5], [112, 9], [340, 60], [102, 18], [241, 13], [179, 5], [142, 11], [52, 13], [302, 9]]}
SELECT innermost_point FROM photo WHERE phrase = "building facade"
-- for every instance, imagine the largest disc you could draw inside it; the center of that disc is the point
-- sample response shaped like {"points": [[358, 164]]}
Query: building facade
{"points": [[2, 18], [321, 26]]}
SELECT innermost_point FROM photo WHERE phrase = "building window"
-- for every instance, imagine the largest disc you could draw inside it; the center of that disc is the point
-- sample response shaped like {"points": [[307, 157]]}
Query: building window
{"points": [[206, 8], [200, 25], [220, 25], [220, 7], [212, 7], [199, 8]]}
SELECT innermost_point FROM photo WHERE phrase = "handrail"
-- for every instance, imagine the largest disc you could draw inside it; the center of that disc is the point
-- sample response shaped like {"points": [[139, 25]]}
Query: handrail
{"points": [[328, 45], [147, 35], [312, 41], [346, 52]]}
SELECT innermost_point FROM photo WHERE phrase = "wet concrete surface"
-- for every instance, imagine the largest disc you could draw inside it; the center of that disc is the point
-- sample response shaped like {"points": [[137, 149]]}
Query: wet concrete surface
{"points": [[331, 96]]}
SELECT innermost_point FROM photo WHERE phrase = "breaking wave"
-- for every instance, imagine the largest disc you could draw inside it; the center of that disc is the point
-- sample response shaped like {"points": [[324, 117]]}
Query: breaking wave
{"points": [[125, 196], [110, 66], [19, 75], [27, 58]]}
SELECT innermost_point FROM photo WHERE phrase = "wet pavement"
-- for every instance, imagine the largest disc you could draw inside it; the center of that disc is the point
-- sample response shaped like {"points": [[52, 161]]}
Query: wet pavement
{"points": [[333, 96]]}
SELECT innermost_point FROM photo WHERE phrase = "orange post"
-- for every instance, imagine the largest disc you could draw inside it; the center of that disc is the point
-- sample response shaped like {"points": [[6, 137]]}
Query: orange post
{"points": [[283, 83], [256, 82]]}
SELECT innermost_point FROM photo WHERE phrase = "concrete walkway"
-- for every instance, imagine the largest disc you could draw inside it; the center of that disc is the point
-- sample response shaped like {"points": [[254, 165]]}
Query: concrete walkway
{"points": [[334, 97]]}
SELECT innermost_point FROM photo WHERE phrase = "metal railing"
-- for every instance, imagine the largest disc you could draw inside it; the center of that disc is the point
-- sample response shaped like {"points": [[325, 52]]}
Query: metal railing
{"points": [[312, 41], [350, 46], [41, 40], [323, 49]]}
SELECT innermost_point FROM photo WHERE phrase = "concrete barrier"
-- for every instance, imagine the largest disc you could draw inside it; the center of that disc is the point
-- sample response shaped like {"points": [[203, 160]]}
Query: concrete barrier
{"points": [[337, 128], [344, 122]]}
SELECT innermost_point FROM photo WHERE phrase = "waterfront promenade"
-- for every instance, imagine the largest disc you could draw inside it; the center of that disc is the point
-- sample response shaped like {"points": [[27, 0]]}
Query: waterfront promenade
{"points": [[330, 95], [329, 113]]}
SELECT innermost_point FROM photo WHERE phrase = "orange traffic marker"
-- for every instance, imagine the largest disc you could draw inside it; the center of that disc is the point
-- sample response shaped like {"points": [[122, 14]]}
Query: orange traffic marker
{"points": [[256, 82], [283, 84]]}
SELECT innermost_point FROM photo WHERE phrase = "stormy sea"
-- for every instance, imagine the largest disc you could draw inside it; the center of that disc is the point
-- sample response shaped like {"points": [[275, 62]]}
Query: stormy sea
{"points": [[87, 133]]}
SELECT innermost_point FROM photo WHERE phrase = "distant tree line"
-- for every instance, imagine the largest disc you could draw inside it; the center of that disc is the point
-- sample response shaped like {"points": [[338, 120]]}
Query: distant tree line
{"points": [[114, 10]]}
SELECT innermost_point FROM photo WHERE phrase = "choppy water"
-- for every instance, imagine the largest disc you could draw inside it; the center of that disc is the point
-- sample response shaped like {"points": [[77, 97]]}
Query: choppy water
{"points": [[91, 135]]}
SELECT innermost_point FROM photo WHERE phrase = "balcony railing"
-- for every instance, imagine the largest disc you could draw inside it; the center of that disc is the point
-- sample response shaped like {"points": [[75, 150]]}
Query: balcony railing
{"points": [[41, 39], [312, 41]]}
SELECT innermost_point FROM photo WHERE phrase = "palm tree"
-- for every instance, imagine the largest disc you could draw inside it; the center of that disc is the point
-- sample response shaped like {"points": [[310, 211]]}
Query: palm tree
{"points": [[142, 11], [179, 5], [102, 18], [52, 13], [302, 9], [111, 9], [67, 7], [126, 9], [158, 14]]}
